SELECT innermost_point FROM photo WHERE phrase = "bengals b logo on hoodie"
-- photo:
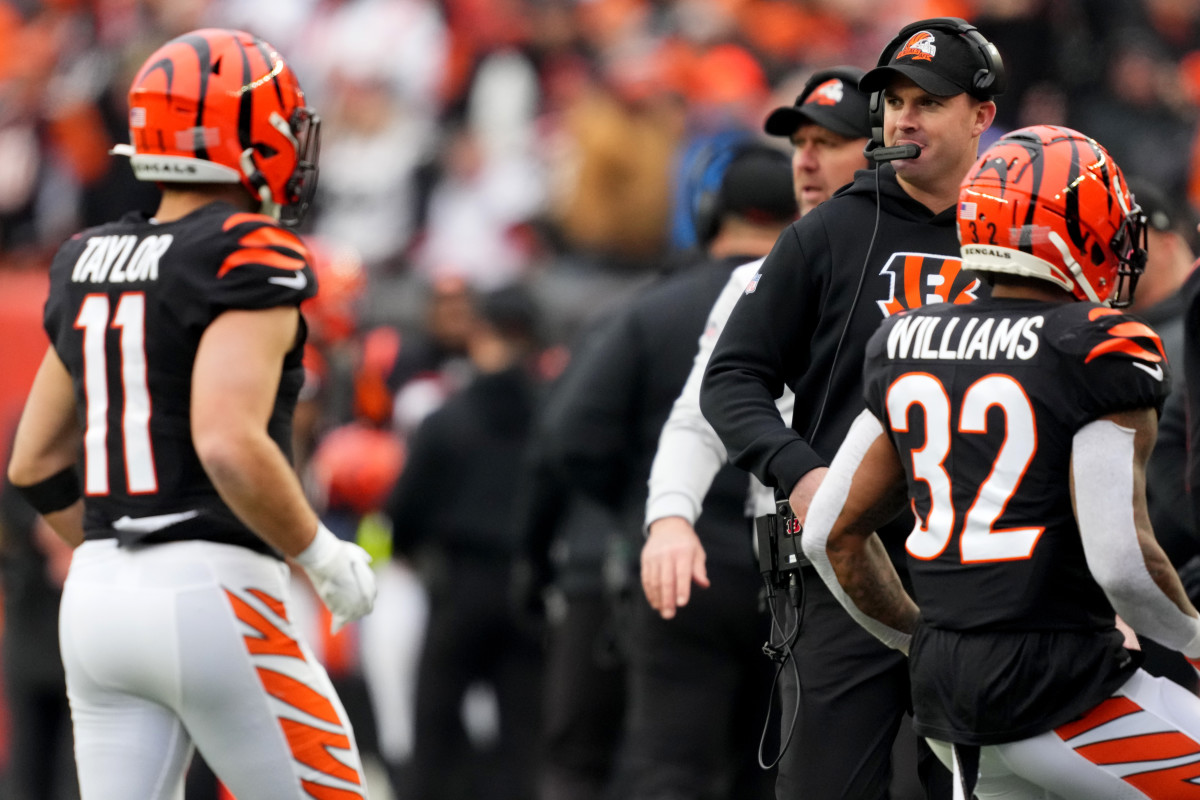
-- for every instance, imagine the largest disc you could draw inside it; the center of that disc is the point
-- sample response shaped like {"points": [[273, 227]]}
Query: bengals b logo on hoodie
{"points": [[921, 279]]}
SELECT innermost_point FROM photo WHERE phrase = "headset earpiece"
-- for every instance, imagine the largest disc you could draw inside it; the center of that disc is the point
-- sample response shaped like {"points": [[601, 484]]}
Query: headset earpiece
{"points": [[875, 114], [708, 216]]}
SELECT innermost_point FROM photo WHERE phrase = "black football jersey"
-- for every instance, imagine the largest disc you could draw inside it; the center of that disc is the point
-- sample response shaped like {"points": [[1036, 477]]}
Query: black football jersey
{"points": [[982, 403], [128, 304]]}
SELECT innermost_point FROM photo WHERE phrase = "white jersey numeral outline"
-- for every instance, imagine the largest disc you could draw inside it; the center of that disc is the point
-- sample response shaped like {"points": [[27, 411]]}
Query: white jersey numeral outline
{"points": [[980, 540], [130, 319]]}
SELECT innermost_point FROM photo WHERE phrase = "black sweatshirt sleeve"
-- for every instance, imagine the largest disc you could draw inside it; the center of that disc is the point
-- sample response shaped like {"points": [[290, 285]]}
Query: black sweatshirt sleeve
{"points": [[422, 485], [763, 348], [588, 423]]}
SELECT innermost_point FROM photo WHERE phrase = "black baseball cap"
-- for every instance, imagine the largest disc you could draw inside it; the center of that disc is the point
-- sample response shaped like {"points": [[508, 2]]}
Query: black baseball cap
{"points": [[511, 310], [1161, 213], [941, 61], [831, 99], [757, 185]]}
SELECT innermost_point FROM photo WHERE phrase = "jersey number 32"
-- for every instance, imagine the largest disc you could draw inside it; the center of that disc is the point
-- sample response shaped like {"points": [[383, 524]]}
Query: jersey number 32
{"points": [[980, 541]]}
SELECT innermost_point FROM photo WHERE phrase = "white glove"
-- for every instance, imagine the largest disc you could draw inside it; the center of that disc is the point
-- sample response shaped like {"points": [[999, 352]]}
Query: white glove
{"points": [[340, 572]]}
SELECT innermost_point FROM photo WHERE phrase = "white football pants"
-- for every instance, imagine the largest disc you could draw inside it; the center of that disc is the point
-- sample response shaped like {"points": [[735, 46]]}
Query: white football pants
{"points": [[1143, 742], [188, 644]]}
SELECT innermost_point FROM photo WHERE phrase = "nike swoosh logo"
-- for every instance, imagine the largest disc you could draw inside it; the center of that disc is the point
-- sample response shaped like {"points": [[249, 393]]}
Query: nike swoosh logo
{"points": [[1155, 372], [297, 281], [154, 523]]}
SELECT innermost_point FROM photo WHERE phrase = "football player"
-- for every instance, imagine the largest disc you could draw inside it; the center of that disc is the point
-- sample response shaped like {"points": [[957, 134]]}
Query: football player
{"points": [[173, 370], [1018, 427]]}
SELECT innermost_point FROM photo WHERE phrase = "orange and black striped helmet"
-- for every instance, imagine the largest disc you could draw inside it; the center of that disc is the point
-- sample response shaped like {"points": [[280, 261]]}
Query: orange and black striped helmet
{"points": [[221, 106], [1048, 202]]}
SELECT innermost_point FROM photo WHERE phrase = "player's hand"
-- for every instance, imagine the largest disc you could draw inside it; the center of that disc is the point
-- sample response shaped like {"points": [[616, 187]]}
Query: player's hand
{"points": [[671, 559], [341, 573], [1131, 639], [804, 490]]}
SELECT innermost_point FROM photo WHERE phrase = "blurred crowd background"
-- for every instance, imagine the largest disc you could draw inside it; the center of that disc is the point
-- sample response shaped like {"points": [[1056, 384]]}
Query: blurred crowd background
{"points": [[470, 146]]}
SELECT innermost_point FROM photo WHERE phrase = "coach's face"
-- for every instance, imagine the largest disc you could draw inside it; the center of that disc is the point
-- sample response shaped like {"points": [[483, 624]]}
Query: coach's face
{"points": [[823, 161], [947, 130]]}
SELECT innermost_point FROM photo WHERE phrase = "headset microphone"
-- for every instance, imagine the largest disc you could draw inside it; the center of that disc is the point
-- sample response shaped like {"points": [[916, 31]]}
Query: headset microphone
{"points": [[881, 155]]}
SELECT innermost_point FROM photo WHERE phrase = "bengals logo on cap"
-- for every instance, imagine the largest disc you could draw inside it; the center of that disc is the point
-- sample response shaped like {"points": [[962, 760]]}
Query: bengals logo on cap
{"points": [[829, 93], [919, 47], [921, 279]]}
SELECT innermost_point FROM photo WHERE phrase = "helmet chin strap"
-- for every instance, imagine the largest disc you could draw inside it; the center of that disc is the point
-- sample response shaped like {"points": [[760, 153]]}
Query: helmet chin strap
{"points": [[1074, 267], [267, 202]]}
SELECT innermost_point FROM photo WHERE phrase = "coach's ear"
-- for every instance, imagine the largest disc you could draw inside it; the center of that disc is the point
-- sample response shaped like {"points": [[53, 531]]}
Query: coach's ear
{"points": [[985, 115]]}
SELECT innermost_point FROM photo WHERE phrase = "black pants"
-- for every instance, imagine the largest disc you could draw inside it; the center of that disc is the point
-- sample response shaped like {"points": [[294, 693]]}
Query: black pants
{"points": [[472, 636], [584, 701], [41, 763], [699, 688], [854, 693]]}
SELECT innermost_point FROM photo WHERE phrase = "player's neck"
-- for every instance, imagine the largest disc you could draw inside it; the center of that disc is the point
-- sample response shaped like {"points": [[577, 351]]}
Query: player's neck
{"points": [[1018, 288], [180, 200]]}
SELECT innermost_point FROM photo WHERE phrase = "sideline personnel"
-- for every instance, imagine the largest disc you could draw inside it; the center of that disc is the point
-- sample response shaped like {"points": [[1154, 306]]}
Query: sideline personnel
{"points": [[828, 128], [886, 243], [698, 684]]}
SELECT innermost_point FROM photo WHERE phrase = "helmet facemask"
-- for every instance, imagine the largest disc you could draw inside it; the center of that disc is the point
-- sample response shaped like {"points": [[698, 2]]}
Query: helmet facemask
{"points": [[303, 132], [1129, 245]]}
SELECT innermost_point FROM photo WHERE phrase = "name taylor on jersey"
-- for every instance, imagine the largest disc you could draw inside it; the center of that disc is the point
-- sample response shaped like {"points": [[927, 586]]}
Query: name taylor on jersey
{"points": [[941, 338], [121, 259]]}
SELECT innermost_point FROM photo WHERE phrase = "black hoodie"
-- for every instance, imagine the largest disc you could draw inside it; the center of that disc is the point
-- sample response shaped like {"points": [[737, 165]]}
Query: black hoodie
{"points": [[805, 322]]}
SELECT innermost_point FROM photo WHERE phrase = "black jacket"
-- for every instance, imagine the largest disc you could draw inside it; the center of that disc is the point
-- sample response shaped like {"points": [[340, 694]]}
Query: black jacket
{"points": [[823, 291], [460, 479], [611, 406]]}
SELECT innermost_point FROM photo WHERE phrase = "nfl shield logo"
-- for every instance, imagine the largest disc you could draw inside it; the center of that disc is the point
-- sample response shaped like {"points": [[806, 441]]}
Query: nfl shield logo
{"points": [[753, 284]]}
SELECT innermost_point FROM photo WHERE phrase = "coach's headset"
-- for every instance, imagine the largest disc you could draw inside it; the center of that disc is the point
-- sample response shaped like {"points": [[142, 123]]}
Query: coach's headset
{"points": [[988, 80], [710, 208]]}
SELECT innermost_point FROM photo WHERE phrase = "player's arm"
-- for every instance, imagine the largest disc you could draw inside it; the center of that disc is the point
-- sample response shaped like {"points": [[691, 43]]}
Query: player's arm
{"points": [[46, 449], [863, 489], [1108, 492], [235, 379]]}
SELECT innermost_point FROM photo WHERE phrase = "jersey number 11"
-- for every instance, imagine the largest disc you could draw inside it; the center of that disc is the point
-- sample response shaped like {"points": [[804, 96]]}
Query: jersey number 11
{"points": [[130, 319]]}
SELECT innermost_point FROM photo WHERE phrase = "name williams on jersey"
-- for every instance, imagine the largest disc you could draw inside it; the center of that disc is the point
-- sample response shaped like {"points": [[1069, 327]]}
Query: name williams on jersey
{"points": [[121, 259], [941, 339]]}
